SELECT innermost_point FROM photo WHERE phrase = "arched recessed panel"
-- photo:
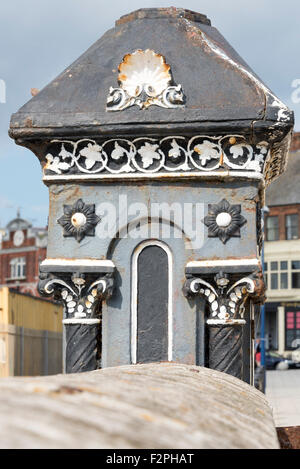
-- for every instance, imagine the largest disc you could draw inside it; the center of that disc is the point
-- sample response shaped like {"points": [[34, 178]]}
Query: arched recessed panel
{"points": [[152, 304]]}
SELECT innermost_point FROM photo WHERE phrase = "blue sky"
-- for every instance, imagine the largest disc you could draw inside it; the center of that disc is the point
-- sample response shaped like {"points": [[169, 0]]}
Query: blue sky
{"points": [[39, 39]]}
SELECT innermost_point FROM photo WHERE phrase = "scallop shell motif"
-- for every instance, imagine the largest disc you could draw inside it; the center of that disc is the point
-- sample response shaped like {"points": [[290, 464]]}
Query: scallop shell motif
{"points": [[145, 79], [144, 71]]}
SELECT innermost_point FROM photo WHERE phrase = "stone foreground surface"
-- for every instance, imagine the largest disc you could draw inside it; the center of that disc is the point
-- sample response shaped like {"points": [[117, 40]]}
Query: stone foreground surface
{"points": [[166, 405], [283, 394]]}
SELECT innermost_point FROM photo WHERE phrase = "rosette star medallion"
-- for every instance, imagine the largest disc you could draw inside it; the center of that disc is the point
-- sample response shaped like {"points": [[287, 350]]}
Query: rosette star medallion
{"points": [[144, 80], [224, 220], [79, 220]]}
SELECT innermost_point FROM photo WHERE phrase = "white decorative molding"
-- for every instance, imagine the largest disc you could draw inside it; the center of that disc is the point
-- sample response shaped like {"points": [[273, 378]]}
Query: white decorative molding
{"points": [[226, 322], [161, 175], [97, 263], [81, 321], [223, 263], [146, 157], [144, 80]]}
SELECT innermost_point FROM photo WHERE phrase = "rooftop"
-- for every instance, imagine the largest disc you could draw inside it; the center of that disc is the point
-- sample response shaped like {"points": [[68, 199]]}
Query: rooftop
{"points": [[203, 85], [18, 223]]}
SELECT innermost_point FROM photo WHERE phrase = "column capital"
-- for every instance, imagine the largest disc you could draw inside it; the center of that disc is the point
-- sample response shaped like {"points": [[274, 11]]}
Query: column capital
{"points": [[80, 285], [226, 294]]}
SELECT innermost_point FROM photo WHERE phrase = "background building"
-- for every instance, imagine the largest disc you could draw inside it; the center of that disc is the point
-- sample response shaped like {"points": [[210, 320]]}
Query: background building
{"points": [[22, 248], [30, 327], [30, 335], [282, 257]]}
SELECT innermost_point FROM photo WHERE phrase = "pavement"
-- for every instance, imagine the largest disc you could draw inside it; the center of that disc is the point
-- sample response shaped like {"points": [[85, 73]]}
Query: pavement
{"points": [[283, 393]]}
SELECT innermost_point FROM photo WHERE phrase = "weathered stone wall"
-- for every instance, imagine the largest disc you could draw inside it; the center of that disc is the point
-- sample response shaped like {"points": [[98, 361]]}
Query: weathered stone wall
{"points": [[164, 405]]}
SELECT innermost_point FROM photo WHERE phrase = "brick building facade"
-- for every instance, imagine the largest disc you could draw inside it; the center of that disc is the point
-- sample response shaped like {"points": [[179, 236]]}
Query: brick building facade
{"points": [[283, 222], [22, 248], [282, 258]]}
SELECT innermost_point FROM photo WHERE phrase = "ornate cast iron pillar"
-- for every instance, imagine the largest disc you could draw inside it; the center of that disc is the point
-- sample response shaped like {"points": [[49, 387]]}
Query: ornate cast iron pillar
{"points": [[82, 288], [226, 299], [147, 166]]}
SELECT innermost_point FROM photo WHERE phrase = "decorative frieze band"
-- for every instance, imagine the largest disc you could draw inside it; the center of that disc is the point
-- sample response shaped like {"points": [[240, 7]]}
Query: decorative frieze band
{"points": [[151, 156]]}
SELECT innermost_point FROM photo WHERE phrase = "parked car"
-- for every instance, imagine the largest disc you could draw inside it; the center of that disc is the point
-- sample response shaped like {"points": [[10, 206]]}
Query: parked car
{"points": [[275, 361]]}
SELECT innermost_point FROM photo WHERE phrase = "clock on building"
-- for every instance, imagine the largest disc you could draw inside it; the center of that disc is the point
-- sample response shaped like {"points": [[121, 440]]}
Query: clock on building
{"points": [[18, 238]]}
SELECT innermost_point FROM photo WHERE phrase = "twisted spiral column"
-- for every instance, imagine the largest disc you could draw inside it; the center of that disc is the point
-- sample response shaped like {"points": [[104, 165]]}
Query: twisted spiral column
{"points": [[81, 346], [226, 349]]}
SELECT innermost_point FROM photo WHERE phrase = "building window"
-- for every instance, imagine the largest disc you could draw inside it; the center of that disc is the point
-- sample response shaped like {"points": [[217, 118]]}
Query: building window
{"points": [[274, 275], [283, 280], [282, 275], [272, 229], [266, 273], [278, 275], [292, 328], [291, 226], [18, 267], [274, 281], [295, 274]]}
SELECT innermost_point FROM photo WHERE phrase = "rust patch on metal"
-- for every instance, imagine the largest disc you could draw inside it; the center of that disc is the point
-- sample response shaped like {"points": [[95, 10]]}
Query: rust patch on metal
{"points": [[170, 13], [289, 437], [34, 91], [28, 122], [259, 295], [250, 209]]}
